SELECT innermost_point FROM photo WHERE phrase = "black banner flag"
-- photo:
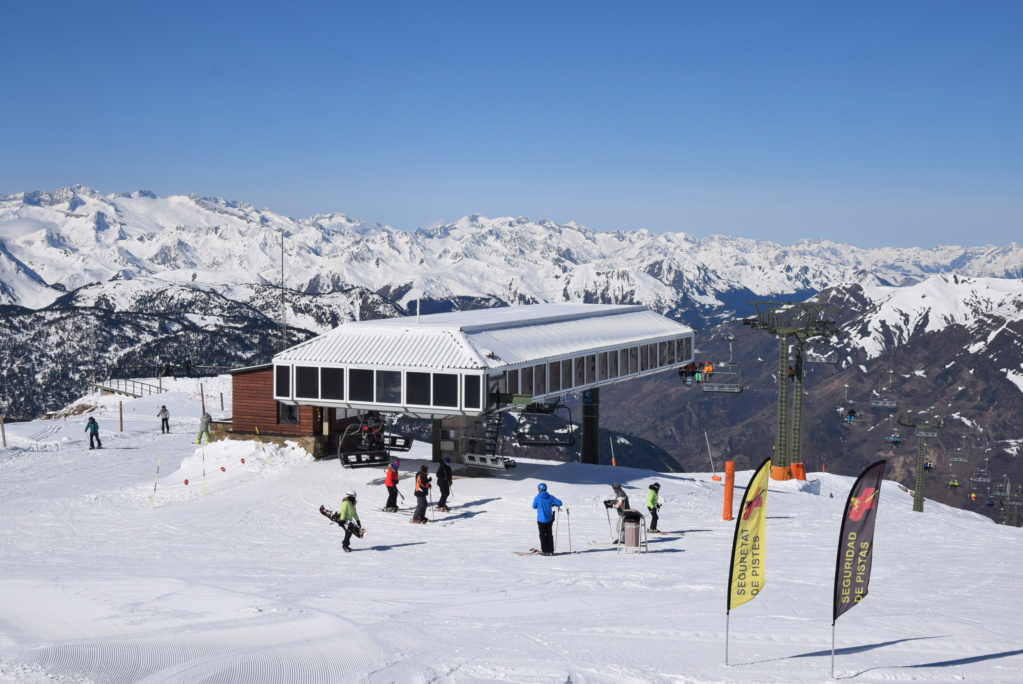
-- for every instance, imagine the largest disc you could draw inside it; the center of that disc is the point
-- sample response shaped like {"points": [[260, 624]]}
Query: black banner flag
{"points": [[856, 544]]}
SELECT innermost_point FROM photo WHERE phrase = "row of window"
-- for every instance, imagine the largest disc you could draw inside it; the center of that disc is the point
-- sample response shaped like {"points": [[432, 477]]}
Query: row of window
{"points": [[560, 376], [363, 385], [413, 388]]}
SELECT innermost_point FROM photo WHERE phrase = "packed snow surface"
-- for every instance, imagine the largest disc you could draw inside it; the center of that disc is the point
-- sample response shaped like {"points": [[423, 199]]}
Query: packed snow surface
{"points": [[110, 575]]}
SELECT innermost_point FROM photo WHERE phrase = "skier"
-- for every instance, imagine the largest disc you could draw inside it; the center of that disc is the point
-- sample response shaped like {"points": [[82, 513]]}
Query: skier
{"points": [[349, 515], [422, 489], [653, 504], [204, 428], [164, 416], [444, 480], [92, 427], [391, 482], [850, 417], [621, 504], [544, 504]]}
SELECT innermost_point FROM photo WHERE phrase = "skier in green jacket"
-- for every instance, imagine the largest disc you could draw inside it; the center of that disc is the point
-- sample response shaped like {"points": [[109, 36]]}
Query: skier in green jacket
{"points": [[349, 518], [653, 504]]}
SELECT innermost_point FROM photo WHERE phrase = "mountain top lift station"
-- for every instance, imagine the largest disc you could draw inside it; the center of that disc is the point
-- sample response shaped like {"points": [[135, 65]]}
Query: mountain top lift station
{"points": [[463, 369]]}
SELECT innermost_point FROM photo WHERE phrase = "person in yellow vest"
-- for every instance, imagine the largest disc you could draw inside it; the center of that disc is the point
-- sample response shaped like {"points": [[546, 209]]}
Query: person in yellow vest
{"points": [[348, 516], [653, 504]]}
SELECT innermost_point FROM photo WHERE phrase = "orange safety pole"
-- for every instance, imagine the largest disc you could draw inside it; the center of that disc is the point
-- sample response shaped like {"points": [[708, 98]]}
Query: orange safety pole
{"points": [[799, 471], [729, 489]]}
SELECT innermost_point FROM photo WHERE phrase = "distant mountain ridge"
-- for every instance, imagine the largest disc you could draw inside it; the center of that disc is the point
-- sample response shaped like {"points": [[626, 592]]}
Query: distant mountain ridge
{"points": [[59, 241]]}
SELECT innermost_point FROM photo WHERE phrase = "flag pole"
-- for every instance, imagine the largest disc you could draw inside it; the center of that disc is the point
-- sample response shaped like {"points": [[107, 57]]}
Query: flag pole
{"points": [[832, 649], [728, 618]]}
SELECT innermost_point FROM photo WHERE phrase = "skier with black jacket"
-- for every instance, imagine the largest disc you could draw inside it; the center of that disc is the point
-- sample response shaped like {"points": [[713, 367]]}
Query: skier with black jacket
{"points": [[422, 490], [444, 479]]}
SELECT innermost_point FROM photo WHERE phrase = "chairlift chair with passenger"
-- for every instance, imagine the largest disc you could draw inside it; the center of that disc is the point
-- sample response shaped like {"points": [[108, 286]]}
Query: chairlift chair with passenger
{"points": [[722, 376], [367, 444]]}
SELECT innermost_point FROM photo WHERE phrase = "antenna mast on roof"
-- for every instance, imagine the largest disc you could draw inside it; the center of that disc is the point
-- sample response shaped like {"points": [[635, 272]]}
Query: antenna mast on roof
{"points": [[282, 323]]}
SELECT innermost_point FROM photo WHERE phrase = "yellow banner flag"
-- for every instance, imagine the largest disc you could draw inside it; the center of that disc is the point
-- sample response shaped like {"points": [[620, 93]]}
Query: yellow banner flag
{"points": [[746, 577]]}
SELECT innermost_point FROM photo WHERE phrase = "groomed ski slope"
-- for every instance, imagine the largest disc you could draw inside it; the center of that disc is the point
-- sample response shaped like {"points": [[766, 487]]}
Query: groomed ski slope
{"points": [[247, 583]]}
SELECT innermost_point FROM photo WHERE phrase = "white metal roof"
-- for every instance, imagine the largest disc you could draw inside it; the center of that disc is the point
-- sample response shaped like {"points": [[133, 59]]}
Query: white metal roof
{"points": [[485, 338]]}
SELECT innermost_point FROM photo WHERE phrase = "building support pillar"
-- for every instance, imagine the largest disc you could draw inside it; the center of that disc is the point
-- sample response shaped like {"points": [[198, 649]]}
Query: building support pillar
{"points": [[589, 449]]}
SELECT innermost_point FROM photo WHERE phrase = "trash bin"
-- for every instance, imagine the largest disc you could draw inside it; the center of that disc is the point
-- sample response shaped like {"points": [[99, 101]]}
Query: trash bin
{"points": [[633, 529], [632, 534]]}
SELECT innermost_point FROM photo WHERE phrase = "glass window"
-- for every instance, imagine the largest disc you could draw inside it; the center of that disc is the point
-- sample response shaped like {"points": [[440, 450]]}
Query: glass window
{"points": [[417, 388], [332, 383], [360, 384], [662, 354], [388, 387], [307, 382], [554, 375], [653, 354], [526, 381], [566, 374], [612, 359], [513, 381], [445, 389], [633, 359], [286, 413], [644, 358], [591, 368], [602, 365], [472, 391], [580, 371], [539, 380], [282, 378]]}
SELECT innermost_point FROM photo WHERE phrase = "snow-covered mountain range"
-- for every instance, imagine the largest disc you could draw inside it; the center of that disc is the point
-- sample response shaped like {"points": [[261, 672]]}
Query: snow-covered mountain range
{"points": [[56, 242]]}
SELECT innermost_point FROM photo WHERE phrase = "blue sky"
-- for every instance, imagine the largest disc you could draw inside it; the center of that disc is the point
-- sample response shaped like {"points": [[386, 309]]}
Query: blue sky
{"points": [[871, 123]]}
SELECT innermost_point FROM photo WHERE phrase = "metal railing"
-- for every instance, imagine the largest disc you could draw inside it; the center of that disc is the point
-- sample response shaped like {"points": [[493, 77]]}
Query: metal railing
{"points": [[132, 387]]}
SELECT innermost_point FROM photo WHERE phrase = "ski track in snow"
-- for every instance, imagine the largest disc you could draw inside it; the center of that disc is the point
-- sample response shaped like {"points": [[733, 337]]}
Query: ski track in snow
{"points": [[247, 582]]}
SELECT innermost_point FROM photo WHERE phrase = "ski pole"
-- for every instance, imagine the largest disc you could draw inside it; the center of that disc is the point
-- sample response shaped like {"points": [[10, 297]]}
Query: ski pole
{"points": [[609, 528], [260, 438], [557, 521], [429, 494], [568, 522], [400, 494], [157, 480], [204, 470]]}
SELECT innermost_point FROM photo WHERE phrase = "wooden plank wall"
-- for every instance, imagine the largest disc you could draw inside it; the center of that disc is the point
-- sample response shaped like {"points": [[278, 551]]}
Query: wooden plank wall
{"points": [[254, 406]]}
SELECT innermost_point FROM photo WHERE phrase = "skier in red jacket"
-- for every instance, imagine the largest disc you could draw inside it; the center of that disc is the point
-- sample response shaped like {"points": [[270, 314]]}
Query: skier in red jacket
{"points": [[391, 482]]}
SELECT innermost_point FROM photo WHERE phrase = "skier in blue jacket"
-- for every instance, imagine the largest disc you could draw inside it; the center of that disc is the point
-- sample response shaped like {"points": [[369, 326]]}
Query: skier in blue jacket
{"points": [[544, 504]]}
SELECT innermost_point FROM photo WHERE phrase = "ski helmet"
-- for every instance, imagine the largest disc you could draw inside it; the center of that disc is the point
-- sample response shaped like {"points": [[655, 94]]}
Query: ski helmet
{"points": [[542, 487], [395, 464], [447, 459], [655, 486], [616, 485], [351, 493]]}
